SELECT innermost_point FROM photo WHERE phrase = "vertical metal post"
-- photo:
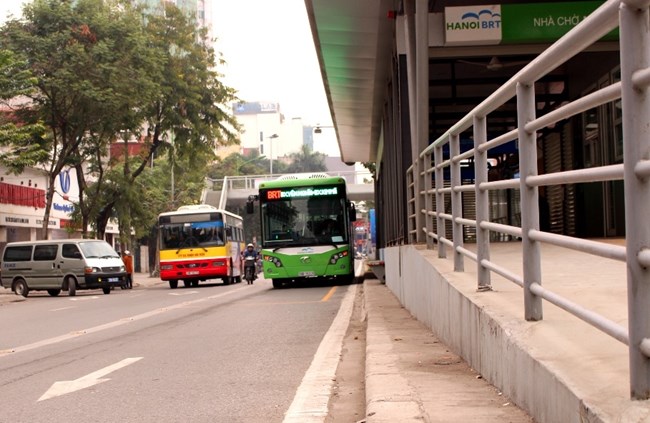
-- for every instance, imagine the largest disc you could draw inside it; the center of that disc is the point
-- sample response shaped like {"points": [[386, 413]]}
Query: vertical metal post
{"points": [[421, 102], [428, 202], [456, 201], [482, 204], [421, 205], [635, 55], [417, 200], [529, 200], [440, 201]]}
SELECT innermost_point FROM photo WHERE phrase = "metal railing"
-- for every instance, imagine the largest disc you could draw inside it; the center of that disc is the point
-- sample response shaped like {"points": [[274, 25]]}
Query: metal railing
{"points": [[632, 90]]}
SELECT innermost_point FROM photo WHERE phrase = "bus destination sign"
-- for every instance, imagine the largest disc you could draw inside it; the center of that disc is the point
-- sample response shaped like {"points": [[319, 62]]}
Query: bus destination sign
{"points": [[289, 193]]}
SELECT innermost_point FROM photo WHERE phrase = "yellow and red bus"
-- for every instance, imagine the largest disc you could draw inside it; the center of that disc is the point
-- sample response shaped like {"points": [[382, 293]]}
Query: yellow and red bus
{"points": [[198, 243]]}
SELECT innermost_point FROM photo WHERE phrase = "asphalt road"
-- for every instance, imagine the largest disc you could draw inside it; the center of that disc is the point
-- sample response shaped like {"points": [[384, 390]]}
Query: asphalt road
{"points": [[213, 353]]}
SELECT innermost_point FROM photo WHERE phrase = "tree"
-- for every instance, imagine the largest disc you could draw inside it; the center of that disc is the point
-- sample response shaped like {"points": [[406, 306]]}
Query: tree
{"points": [[16, 82], [237, 164], [306, 161], [188, 116], [78, 53], [102, 68]]}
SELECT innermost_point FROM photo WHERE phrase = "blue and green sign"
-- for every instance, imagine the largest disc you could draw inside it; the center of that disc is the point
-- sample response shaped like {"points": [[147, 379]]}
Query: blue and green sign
{"points": [[515, 23]]}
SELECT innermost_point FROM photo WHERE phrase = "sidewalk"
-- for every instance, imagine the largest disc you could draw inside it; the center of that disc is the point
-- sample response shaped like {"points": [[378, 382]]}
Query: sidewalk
{"points": [[412, 377]]}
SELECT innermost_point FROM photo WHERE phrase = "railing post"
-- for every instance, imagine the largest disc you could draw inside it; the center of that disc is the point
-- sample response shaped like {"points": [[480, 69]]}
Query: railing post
{"points": [[428, 199], [456, 201], [440, 201], [529, 200], [482, 204], [420, 204], [635, 55]]}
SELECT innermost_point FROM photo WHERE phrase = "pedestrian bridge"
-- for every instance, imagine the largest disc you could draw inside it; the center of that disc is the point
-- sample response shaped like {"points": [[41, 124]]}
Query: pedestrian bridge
{"points": [[234, 190]]}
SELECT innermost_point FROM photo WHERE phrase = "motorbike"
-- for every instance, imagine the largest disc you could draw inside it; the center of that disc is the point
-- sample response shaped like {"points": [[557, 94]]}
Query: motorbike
{"points": [[250, 269]]}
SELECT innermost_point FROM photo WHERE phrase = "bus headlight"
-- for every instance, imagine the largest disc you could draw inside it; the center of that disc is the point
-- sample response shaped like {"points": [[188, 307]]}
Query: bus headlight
{"points": [[166, 267], [276, 261], [337, 256]]}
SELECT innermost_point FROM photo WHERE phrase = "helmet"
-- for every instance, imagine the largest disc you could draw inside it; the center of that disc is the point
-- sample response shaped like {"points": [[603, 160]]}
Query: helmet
{"points": [[250, 245]]}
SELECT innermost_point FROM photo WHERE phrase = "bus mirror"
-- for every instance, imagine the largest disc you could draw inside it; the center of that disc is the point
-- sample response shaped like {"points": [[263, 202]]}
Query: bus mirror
{"points": [[353, 212], [250, 207]]}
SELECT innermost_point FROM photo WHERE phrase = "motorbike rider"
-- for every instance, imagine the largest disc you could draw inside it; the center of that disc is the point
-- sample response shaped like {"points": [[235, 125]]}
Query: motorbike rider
{"points": [[251, 252]]}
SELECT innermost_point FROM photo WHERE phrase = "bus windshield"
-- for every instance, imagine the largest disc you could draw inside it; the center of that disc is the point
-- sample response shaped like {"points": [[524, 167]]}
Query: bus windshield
{"points": [[192, 234], [305, 221]]}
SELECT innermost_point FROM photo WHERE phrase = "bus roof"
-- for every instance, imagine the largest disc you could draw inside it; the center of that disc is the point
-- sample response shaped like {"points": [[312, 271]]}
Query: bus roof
{"points": [[198, 208], [303, 179]]}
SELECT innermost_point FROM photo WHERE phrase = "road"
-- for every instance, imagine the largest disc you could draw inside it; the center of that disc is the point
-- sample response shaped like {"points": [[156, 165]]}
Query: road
{"points": [[214, 353]]}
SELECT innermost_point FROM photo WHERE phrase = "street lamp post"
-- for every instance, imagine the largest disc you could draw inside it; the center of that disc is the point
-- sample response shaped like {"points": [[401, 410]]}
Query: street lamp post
{"points": [[271, 138]]}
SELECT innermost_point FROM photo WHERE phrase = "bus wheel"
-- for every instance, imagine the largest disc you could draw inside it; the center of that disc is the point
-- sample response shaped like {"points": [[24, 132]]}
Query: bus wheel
{"points": [[277, 284], [187, 283], [20, 287], [226, 280], [195, 283], [173, 284]]}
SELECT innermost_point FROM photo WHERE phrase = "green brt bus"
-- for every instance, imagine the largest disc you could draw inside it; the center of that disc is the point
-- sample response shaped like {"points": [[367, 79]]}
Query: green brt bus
{"points": [[306, 229]]}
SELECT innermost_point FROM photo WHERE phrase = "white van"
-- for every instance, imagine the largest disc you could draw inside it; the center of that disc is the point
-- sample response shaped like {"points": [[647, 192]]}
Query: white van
{"points": [[55, 265]]}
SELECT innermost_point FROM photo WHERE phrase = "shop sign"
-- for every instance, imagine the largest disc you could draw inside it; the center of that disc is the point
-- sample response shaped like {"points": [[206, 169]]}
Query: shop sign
{"points": [[7, 219]]}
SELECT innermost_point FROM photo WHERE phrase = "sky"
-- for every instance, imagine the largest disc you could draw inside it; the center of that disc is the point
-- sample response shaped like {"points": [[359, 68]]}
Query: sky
{"points": [[269, 53]]}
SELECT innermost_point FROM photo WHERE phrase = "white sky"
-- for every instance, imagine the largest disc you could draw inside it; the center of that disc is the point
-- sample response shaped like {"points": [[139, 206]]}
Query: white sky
{"points": [[269, 52]]}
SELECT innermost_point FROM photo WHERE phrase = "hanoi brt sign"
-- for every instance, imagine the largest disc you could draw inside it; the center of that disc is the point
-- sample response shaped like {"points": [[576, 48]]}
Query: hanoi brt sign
{"points": [[515, 23], [478, 25]]}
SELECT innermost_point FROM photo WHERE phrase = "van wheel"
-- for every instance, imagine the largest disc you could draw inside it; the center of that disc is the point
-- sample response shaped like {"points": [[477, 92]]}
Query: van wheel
{"points": [[106, 289], [72, 287], [54, 292], [21, 288], [173, 284]]}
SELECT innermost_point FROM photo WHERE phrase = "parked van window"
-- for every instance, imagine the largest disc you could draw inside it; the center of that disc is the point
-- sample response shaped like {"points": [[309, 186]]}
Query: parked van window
{"points": [[45, 252], [23, 253], [70, 251]]}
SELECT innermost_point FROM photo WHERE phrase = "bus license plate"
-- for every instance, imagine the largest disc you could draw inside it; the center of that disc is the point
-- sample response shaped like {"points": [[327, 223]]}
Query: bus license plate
{"points": [[307, 274], [192, 272]]}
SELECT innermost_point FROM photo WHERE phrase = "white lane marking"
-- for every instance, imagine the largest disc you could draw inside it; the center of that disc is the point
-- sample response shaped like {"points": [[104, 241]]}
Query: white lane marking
{"points": [[62, 308], [311, 399], [94, 378], [94, 297], [110, 325], [184, 293]]}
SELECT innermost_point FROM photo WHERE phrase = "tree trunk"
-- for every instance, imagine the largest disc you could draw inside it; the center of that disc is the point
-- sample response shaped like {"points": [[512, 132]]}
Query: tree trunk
{"points": [[49, 197]]}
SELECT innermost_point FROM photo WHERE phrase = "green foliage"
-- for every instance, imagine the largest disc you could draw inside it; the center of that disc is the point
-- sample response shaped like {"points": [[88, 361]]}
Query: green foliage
{"points": [[96, 70], [306, 161], [30, 146], [372, 167]]}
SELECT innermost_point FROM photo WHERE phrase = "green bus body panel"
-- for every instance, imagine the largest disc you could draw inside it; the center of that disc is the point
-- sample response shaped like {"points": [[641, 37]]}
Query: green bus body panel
{"points": [[298, 265]]}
